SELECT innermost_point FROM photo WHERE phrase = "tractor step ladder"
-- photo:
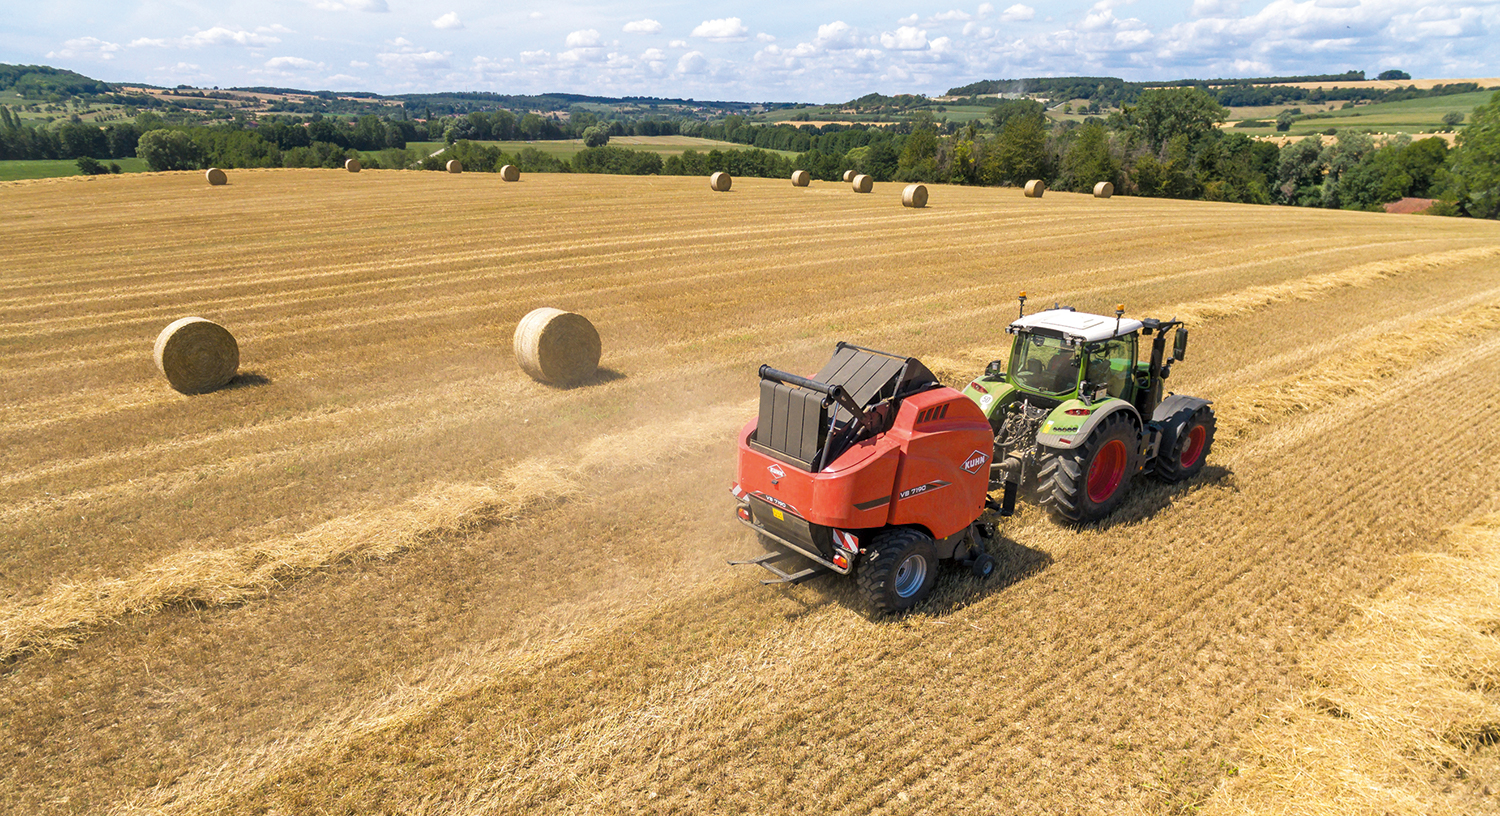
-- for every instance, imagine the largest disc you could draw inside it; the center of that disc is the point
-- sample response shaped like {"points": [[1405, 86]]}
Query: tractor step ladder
{"points": [[782, 576]]}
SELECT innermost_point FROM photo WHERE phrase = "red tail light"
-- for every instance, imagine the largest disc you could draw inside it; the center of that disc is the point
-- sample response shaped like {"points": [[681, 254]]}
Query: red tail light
{"points": [[841, 561], [1078, 411], [977, 387], [744, 513]]}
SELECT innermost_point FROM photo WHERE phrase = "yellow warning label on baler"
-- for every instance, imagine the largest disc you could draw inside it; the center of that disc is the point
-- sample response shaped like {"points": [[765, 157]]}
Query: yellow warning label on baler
{"points": [[780, 516]]}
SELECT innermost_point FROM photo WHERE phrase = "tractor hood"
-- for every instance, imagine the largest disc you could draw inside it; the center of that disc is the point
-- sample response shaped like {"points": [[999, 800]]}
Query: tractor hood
{"points": [[1066, 323]]}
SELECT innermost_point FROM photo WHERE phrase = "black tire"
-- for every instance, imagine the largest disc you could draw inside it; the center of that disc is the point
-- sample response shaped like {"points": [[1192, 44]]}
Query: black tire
{"points": [[1086, 483], [1188, 448], [984, 566], [898, 569]]}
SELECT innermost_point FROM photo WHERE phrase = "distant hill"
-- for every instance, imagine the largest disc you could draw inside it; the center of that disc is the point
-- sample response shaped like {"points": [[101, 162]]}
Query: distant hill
{"points": [[41, 81]]}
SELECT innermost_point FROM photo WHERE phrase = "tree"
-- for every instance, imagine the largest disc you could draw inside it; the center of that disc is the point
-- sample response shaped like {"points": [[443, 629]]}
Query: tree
{"points": [[1394, 73], [1018, 154], [1089, 161], [1167, 112], [595, 136], [169, 150], [1284, 121], [89, 166], [1011, 108], [1474, 165], [1452, 119]]}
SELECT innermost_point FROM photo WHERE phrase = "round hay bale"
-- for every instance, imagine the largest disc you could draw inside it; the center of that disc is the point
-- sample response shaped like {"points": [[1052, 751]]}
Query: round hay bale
{"points": [[915, 195], [352, 165], [719, 182], [216, 176], [510, 173], [801, 178], [455, 166], [1035, 188], [848, 175], [1104, 189], [197, 355], [557, 347], [863, 183]]}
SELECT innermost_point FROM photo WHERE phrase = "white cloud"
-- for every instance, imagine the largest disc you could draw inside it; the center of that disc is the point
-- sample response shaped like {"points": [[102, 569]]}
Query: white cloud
{"points": [[296, 63], [86, 47], [343, 79], [408, 58], [1214, 8], [693, 62], [536, 15], [646, 26], [653, 55], [765, 38], [905, 38], [908, 20], [587, 38], [954, 16], [536, 57], [448, 21], [729, 29], [358, 64], [985, 9], [219, 36], [678, 44], [835, 36], [1018, 13], [146, 42], [351, 5]]}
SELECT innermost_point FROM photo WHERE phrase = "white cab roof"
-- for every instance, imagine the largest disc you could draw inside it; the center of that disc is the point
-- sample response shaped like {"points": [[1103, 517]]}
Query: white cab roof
{"points": [[1089, 327]]}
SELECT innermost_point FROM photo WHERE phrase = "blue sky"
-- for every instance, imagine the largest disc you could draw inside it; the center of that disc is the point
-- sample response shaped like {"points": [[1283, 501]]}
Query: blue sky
{"points": [[811, 51]]}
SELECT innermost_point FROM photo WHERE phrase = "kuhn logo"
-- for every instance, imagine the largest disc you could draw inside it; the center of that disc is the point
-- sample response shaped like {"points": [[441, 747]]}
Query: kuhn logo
{"points": [[777, 472], [975, 461]]}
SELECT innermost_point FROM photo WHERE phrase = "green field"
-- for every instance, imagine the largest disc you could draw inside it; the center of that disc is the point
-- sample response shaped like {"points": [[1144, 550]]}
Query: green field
{"points": [[1408, 116], [17, 169], [566, 149]]}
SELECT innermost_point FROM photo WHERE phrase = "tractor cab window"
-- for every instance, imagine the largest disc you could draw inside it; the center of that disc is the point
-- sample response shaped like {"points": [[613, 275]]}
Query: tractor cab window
{"points": [[1045, 364], [1112, 365]]}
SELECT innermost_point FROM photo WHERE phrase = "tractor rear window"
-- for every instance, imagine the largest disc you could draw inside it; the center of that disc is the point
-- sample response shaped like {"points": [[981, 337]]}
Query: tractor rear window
{"points": [[1044, 364]]}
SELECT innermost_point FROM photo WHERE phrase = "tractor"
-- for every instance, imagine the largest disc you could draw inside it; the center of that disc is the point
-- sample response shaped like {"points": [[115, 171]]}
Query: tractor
{"points": [[1076, 413], [870, 468]]}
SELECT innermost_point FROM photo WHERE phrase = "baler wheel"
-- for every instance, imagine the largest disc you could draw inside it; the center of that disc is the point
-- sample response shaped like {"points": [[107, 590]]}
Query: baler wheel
{"points": [[1189, 449], [898, 569], [1087, 482], [984, 566]]}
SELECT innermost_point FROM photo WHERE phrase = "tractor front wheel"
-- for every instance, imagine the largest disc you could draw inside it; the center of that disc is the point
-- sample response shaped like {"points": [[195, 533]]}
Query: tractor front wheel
{"points": [[1087, 482], [1189, 448], [898, 569]]}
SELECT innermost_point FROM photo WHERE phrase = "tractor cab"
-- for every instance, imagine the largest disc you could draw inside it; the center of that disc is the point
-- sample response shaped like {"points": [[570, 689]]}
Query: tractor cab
{"points": [[1062, 354]]}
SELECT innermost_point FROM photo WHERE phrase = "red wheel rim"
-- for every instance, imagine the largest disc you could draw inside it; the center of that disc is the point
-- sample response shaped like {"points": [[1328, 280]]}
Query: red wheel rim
{"points": [[1194, 447], [1106, 471]]}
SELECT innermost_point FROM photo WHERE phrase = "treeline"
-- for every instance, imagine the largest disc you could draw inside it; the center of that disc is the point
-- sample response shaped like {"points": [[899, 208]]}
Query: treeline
{"points": [[43, 82]]}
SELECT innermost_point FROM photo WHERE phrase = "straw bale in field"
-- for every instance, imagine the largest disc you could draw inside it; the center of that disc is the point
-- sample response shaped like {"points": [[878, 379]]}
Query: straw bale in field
{"points": [[510, 173], [557, 347], [455, 166], [352, 165], [197, 355], [719, 182], [848, 175], [216, 176], [863, 183], [1035, 188], [915, 195], [801, 178], [1104, 189]]}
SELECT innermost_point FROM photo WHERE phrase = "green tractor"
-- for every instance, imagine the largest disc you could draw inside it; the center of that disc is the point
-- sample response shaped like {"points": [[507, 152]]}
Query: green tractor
{"points": [[1080, 412]]}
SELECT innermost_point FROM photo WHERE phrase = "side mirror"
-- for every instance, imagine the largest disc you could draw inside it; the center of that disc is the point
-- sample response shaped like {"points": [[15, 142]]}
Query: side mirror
{"points": [[1179, 344], [996, 368]]}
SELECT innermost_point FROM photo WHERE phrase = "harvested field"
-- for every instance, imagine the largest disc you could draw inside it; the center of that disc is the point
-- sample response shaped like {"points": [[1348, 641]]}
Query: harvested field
{"points": [[385, 571]]}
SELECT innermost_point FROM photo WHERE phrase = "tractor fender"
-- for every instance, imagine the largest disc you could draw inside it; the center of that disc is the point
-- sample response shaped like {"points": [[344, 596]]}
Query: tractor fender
{"points": [[1171, 414], [1065, 432], [990, 394]]}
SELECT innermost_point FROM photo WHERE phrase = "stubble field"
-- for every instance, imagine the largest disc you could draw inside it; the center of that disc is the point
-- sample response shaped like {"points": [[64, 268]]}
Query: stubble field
{"points": [[386, 572]]}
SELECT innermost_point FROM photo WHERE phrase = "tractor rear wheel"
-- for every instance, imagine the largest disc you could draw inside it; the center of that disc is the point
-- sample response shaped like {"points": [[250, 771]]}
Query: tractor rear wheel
{"points": [[1188, 449], [1087, 482], [898, 569]]}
